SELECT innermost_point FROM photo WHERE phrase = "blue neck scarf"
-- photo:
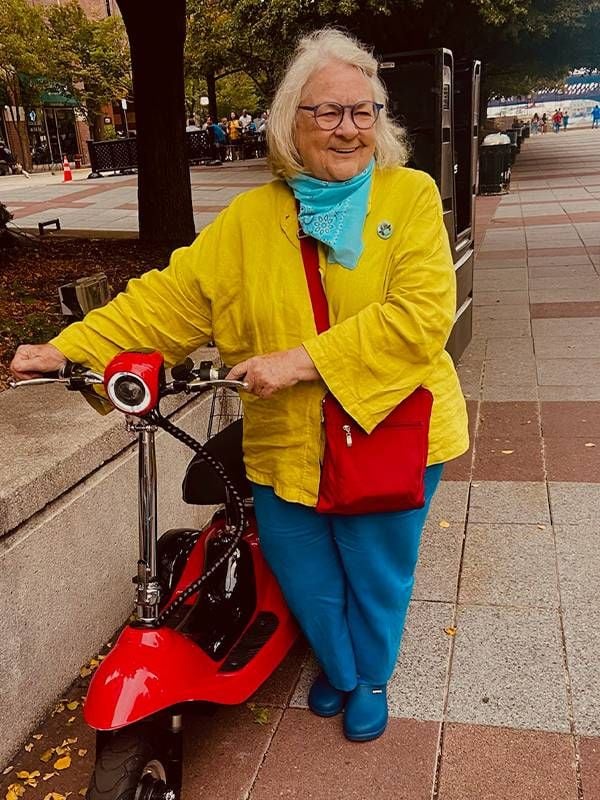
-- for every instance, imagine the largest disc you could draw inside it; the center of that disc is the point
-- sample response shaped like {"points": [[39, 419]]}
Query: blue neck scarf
{"points": [[334, 212]]}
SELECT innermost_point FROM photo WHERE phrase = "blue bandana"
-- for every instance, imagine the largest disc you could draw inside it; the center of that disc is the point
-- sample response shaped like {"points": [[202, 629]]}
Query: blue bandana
{"points": [[334, 212]]}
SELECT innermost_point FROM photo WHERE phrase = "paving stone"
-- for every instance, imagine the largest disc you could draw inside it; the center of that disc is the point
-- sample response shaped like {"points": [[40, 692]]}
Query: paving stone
{"points": [[507, 419], [418, 685], [499, 329], [583, 656], [487, 297], [507, 669], [573, 503], [506, 371], [509, 502], [562, 393], [561, 310], [562, 372], [500, 312], [559, 328], [565, 295], [579, 564], [485, 763], [309, 759], [439, 560], [570, 458], [450, 501], [589, 749], [490, 280], [518, 348], [513, 565], [222, 752], [459, 469], [508, 458], [571, 419], [563, 278]]}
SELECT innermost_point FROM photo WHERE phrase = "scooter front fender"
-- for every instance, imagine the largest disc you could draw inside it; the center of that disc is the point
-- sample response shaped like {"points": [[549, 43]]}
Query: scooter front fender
{"points": [[144, 673]]}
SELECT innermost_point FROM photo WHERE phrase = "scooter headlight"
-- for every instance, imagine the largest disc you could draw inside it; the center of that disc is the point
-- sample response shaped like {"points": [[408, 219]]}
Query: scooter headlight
{"points": [[128, 393]]}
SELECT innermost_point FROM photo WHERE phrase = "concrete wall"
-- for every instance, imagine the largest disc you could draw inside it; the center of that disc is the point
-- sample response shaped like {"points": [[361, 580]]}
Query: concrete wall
{"points": [[68, 540]]}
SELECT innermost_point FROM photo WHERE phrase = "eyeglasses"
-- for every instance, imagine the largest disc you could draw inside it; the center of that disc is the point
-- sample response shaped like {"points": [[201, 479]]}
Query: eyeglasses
{"points": [[329, 116]]}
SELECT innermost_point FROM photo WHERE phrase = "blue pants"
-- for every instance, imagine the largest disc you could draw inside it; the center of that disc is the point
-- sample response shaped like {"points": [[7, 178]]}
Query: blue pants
{"points": [[347, 579]]}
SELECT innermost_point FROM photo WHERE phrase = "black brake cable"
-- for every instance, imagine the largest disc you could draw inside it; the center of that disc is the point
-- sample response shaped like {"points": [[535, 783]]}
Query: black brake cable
{"points": [[156, 418]]}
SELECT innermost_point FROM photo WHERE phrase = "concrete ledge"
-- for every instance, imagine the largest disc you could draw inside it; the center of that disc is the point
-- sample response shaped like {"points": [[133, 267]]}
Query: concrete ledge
{"points": [[69, 539], [52, 439]]}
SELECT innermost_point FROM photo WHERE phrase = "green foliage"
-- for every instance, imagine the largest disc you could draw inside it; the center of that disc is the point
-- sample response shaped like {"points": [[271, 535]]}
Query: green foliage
{"points": [[89, 57]]}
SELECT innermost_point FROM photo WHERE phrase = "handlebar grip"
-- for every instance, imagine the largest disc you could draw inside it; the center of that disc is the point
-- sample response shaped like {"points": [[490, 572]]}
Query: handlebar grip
{"points": [[208, 372]]}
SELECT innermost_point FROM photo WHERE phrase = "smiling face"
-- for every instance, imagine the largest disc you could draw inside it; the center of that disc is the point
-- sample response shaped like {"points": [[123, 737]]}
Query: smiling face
{"points": [[342, 153]]}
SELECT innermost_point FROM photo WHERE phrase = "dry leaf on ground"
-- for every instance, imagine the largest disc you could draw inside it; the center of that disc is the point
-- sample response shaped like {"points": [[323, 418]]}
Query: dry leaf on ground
{"points": [[444, 524], [63, 763], [450, 631]]}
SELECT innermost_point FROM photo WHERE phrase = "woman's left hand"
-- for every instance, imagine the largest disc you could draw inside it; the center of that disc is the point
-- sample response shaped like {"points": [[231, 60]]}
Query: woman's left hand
{"points": [[267, 374]]}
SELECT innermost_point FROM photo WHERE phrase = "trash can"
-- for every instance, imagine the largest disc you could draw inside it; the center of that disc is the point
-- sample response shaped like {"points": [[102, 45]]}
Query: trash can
{"points": [[526, 131], [83, 294], [77, 158], [494, 164], [519, 136], [512, 137]]}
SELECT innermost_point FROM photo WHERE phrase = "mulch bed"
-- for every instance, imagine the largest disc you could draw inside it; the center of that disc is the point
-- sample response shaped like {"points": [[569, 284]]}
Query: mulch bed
{"points": [[31, 272]]}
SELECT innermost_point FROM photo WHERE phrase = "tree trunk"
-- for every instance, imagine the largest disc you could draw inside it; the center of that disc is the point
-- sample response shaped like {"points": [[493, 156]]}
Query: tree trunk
{"points": [[211, 89], [156, 39]]}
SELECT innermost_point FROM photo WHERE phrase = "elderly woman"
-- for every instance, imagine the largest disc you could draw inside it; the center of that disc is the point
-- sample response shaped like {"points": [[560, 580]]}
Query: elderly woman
{"points": [[387, 272]]}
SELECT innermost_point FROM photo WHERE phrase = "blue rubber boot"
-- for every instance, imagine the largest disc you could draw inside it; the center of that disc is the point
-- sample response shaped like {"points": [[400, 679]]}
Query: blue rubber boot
{"points": [[366, 713], [324, 699]]}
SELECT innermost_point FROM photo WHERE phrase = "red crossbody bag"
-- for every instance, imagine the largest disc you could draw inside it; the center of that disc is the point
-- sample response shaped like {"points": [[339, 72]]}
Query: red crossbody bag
{"points": [[380, 471]]}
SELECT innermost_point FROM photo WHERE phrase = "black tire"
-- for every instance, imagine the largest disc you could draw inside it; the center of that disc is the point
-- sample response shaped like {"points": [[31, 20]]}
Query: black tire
{"points": [[120, 766]]}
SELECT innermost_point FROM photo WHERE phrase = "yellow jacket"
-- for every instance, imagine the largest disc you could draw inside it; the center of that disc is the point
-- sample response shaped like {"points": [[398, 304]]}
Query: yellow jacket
{"points": [[242, 284]]}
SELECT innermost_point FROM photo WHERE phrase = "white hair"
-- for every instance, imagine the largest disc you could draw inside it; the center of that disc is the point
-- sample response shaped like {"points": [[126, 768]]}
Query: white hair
{"points": [[312, 53]]}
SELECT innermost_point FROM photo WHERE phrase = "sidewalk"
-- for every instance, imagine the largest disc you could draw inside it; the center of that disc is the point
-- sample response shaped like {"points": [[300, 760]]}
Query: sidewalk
{"points": [[109, 204], [495, 696]]}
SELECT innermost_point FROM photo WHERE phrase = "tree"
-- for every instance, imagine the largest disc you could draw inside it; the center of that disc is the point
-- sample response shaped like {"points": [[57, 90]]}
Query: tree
{"points": [[156, 40], [89, 58], [23, 44]]}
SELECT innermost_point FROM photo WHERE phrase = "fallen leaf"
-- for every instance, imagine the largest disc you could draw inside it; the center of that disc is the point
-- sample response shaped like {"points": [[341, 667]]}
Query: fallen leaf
{"points": [[63, 763], [82, 792], [71, 720], [49, 775], [55, 796], [58, 709], [507, 452], [15, 790], [72, 705], [444, 524], [8, 769], [46, 755], [81, 752], [590, 444], [29, 747], [38, 736], [70, 741], [542, 527], [84, 672], [261, 715], [450, 631], [94, 662]]}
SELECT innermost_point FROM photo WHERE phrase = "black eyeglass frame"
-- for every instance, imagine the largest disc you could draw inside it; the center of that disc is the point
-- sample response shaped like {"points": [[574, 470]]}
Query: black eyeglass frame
{"points": [[377, 106]]}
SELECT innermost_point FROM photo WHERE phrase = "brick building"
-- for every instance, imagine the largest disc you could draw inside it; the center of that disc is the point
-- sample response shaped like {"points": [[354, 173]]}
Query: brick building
{"points": [[57, 128]]}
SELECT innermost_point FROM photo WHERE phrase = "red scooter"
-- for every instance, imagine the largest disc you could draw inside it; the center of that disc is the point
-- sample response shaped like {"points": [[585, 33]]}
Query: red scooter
{"points": [[210, 624]]}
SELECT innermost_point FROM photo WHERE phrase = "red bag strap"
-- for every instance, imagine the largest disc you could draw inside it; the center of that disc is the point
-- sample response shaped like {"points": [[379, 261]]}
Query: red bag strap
{"points": [[310, 258]]}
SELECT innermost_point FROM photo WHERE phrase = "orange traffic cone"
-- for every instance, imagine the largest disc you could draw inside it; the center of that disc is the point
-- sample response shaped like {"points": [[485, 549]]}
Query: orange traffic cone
{"points": [[67, 174]]}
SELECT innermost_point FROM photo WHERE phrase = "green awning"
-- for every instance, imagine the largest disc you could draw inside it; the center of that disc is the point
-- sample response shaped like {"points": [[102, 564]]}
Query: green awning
{"points": [[57, 99]]}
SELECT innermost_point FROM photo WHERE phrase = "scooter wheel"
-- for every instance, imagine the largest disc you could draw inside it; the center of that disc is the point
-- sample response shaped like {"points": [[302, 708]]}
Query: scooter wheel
{"points": [[129, 768]]}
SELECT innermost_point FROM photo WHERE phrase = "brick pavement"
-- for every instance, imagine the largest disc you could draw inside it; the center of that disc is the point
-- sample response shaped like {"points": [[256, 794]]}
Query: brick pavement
{"points": [[508, 707], [110, 205]]}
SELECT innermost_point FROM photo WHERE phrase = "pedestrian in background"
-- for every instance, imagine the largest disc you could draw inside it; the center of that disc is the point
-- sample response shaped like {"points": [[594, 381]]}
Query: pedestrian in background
{"points": [[596, 116]]}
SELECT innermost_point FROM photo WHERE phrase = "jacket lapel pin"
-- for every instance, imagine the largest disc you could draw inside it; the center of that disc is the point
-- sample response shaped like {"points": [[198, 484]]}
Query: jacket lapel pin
{"points": [[384, 230]]}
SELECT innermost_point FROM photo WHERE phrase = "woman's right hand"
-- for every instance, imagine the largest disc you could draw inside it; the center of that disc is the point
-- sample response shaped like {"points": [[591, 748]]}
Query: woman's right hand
{"points": [[33, 360]]}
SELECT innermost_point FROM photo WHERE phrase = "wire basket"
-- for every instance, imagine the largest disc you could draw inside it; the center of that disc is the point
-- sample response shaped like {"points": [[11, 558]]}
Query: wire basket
{"points": [[226, 407]]}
